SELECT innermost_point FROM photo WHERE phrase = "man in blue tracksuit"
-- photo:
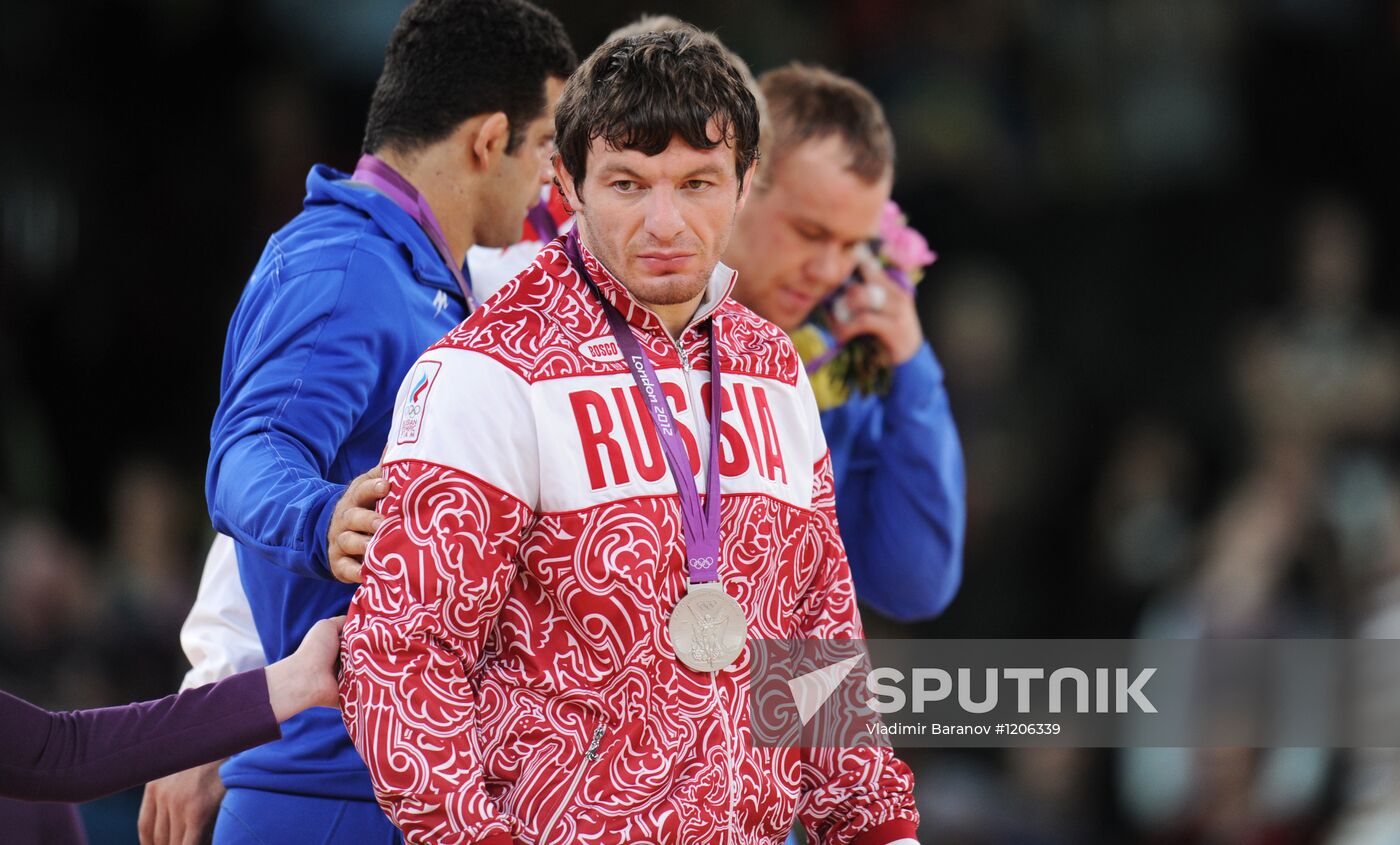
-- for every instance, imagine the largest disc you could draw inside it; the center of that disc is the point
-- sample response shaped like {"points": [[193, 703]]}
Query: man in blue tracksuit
{"points": [[343, 300], [898, 466]]}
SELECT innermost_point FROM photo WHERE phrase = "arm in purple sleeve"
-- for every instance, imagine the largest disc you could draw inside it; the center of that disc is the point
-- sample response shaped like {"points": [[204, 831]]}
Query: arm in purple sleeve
{"points": [[84, 754]]}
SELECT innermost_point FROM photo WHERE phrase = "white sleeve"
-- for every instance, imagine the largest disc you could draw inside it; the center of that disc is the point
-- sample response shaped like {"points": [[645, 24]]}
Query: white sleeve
{"points": [[218, 636], [491, 268]]}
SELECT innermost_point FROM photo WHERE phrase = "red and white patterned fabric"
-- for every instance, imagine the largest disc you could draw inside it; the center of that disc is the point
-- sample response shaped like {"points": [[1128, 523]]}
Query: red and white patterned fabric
{"points": [[508, 675]]}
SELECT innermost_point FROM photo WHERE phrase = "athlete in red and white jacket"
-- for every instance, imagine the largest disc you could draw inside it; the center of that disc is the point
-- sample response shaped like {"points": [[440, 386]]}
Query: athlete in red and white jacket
{"points": [[508, 675]]}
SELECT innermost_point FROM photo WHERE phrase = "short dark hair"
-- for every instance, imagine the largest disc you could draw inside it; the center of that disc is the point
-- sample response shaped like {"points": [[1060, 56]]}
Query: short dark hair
{"points": [[661, 23], [807, 103], [639, 91], [449, 60]]}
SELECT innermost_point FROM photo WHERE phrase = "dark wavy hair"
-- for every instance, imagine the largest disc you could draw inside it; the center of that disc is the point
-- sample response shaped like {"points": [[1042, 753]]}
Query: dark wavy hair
{"points": [[449, 60], [639, 91]]}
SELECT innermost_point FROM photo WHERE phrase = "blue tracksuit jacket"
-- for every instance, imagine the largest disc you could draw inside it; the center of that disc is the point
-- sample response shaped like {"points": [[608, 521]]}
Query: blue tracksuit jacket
{"points": [[900, 497], [344, 299]]}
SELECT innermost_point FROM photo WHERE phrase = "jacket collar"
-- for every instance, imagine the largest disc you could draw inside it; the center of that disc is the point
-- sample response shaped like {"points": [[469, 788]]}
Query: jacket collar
{"points": [[325, 186], [720, 286]]}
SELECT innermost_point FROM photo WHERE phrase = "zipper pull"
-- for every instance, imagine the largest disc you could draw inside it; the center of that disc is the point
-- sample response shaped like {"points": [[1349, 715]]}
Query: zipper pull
{"points": [[685, 359], [592, 752]]}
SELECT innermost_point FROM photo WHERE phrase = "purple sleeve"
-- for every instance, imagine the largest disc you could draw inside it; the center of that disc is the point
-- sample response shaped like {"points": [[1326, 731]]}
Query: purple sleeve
{"points": [[84, 754]]}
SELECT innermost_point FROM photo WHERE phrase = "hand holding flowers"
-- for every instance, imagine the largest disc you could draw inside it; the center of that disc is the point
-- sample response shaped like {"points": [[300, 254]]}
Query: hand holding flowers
{"points": [[873, 321]]}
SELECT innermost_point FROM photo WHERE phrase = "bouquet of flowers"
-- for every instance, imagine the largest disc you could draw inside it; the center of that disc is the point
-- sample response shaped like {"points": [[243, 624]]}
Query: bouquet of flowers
{"points": [[859, 364]]}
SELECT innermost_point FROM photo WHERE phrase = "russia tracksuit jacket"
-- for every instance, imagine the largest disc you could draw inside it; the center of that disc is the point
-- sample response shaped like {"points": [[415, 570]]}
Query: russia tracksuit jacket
{"points": [[508, 675]]}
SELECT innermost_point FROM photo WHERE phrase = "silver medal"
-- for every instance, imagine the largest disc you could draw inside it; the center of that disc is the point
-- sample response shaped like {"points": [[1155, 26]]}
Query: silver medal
{"points": [[708, 629]]}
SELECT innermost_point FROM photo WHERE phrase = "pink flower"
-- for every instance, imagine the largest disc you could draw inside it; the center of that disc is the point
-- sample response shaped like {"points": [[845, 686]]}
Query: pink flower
{"points": [[901, 244], [906, 248]]}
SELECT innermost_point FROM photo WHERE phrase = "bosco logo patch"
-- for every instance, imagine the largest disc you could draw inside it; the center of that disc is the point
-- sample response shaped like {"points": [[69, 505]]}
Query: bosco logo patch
{"points": [[603, 350], [415, 405]]}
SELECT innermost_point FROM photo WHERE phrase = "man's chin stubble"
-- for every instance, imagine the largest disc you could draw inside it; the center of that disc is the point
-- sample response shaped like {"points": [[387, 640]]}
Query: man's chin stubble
{"points": [[672, 293]]}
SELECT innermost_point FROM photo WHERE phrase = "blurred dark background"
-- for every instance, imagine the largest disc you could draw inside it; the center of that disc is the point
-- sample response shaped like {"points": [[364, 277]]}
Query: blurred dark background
{"points": [[1166, 304]]}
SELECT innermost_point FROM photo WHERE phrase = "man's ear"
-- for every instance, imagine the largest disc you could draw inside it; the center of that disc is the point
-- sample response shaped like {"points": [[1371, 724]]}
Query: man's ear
{"points": [[489, 143], [746, 185], [564, 183]]}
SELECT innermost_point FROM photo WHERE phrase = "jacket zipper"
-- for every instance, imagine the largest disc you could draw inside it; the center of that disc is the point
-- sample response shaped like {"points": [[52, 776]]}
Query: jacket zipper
{"points": [[696, 408], [729, 761], [589, 756]]}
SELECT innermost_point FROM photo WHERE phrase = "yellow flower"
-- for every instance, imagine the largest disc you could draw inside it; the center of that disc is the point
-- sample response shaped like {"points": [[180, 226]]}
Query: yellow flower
{"points": [[811, 343]]}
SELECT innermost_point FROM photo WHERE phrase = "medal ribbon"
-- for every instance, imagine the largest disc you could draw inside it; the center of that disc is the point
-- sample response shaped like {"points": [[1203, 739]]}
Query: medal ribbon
{"points": [[373, 171], [700, 525], [542, 221]]}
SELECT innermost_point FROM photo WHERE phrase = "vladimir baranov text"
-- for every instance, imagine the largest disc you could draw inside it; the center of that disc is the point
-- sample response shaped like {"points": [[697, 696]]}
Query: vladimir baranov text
{"points": [[1099, 693]]}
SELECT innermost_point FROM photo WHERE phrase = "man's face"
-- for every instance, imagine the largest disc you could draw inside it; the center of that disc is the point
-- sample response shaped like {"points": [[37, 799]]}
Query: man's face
{"points": [[796, 239], [658, 223], [514, 185]]}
